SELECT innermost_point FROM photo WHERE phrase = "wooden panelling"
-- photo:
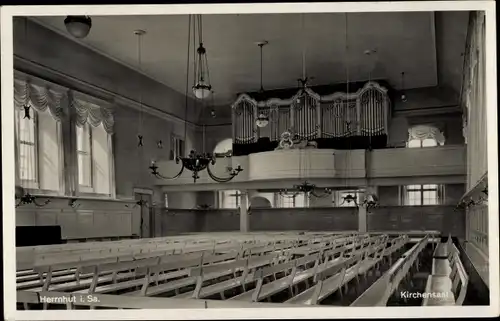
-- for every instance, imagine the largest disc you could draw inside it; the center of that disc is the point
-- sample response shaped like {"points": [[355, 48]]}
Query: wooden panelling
{"points": [[89, 219]]}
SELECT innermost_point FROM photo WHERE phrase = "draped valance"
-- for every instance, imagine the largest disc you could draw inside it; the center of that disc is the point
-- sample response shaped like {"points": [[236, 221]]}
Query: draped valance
{"points": [[426, 132], [40, 97], [93, 113]]}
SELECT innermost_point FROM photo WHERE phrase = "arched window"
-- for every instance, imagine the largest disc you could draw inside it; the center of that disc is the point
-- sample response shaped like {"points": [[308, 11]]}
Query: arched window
{"points": [[224, 146], [424, 136]]}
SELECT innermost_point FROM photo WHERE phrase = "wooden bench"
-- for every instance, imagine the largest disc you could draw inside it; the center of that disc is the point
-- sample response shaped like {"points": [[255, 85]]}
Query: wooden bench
{"points": [[246, 278], [70, 268], [71, 301], [447, 285], [288, 281], [381, 290], [217, 271], [329, 279]]}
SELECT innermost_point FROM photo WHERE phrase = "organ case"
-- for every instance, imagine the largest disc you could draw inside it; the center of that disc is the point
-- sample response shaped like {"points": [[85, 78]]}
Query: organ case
{"points": [[337, 120]]}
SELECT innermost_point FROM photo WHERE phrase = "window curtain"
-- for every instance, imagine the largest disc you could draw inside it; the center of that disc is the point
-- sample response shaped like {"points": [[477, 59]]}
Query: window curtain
{"points": [[422, 132], [39, 97], [474, 100], [93, 113]]}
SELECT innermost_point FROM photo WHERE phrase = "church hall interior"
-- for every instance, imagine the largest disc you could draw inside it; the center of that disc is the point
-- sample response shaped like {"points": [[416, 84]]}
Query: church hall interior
{"points": [[251, 160]]}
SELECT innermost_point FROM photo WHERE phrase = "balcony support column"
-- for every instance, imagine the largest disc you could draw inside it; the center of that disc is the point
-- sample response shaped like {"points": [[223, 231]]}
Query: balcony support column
{"points": [[362, 218], [244, 218]]}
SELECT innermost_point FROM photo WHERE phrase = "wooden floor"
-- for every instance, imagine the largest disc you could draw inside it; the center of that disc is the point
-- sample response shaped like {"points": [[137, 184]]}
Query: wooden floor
{"points": [[214, 270]]}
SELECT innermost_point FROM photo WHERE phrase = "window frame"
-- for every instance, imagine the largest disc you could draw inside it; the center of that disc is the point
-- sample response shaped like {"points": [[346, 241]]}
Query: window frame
{"points": [[175, 150], [27, 183], [224, 195], [287, 199], [90, 191], [65, 139], [85, 188], [33, 187], [420, 190], [421, 143]]}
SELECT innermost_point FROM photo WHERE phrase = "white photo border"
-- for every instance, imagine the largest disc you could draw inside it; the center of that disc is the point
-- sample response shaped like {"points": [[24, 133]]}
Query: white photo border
{"points": [[8, 12]]}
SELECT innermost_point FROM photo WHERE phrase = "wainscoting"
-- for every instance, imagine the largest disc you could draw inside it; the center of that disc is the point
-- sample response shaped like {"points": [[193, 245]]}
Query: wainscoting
{"points": [[87, 219], [393, 218]]}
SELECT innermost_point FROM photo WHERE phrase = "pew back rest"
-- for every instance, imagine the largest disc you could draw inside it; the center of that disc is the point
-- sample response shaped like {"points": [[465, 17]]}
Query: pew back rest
{"points": [[172, 265], [119, 266], [199, 271], [305, 260], [220, 258], [330, 253], [265, 271], [325, 274], [464, 282]]}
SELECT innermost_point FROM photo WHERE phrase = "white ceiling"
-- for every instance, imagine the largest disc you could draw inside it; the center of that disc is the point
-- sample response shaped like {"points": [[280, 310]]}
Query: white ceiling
{"points": [[404, 42]]}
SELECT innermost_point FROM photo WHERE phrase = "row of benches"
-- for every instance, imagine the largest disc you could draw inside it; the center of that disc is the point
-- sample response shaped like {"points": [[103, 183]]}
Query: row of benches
{"points": [[447, 284], [379, 293], [77, 269], [295, 264], [28, 257]]}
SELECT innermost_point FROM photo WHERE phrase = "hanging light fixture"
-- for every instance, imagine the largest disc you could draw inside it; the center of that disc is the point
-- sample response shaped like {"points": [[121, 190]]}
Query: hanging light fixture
{"points": [[307, 188], [262, 120], [403, 94], [350, 197], [303, 82], [140, 33], [78, 26], [202, 89], [195, 162]]}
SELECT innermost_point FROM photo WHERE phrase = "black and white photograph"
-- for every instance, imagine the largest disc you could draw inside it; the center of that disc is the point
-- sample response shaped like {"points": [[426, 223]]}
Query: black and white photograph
{"points": [[216, 160]]}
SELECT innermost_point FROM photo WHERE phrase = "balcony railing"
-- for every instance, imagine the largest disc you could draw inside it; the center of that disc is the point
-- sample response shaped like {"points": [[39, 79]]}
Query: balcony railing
{"points": [[321, 164]]}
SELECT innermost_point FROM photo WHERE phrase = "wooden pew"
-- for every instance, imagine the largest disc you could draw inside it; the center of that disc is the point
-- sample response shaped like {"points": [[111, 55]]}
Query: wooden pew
{"points": [[328, 280], [447, 285], [71, 301], [381, 290], [246, 278], [290, 282]]}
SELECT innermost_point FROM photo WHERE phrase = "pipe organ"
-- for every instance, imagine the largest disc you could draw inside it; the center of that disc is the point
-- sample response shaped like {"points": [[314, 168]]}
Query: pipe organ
{"points": [[341, 121]]}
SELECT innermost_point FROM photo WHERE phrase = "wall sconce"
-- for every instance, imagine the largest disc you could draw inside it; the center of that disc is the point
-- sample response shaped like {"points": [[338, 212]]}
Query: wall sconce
{"points": [[24, 198], [203, 207], [141, 203], [72, 203]]}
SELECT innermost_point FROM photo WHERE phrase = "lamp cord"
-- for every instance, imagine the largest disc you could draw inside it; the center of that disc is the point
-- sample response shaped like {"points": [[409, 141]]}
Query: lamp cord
{"points": [[187, 83], [347, 97]]}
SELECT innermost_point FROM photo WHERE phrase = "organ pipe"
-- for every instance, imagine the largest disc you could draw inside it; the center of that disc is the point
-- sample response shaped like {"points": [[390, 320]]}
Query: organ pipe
{"points": [[310, 116]]}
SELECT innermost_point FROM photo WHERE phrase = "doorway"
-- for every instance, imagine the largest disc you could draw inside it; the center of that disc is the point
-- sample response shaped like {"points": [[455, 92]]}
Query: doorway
{"points": [[147, 219]]}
